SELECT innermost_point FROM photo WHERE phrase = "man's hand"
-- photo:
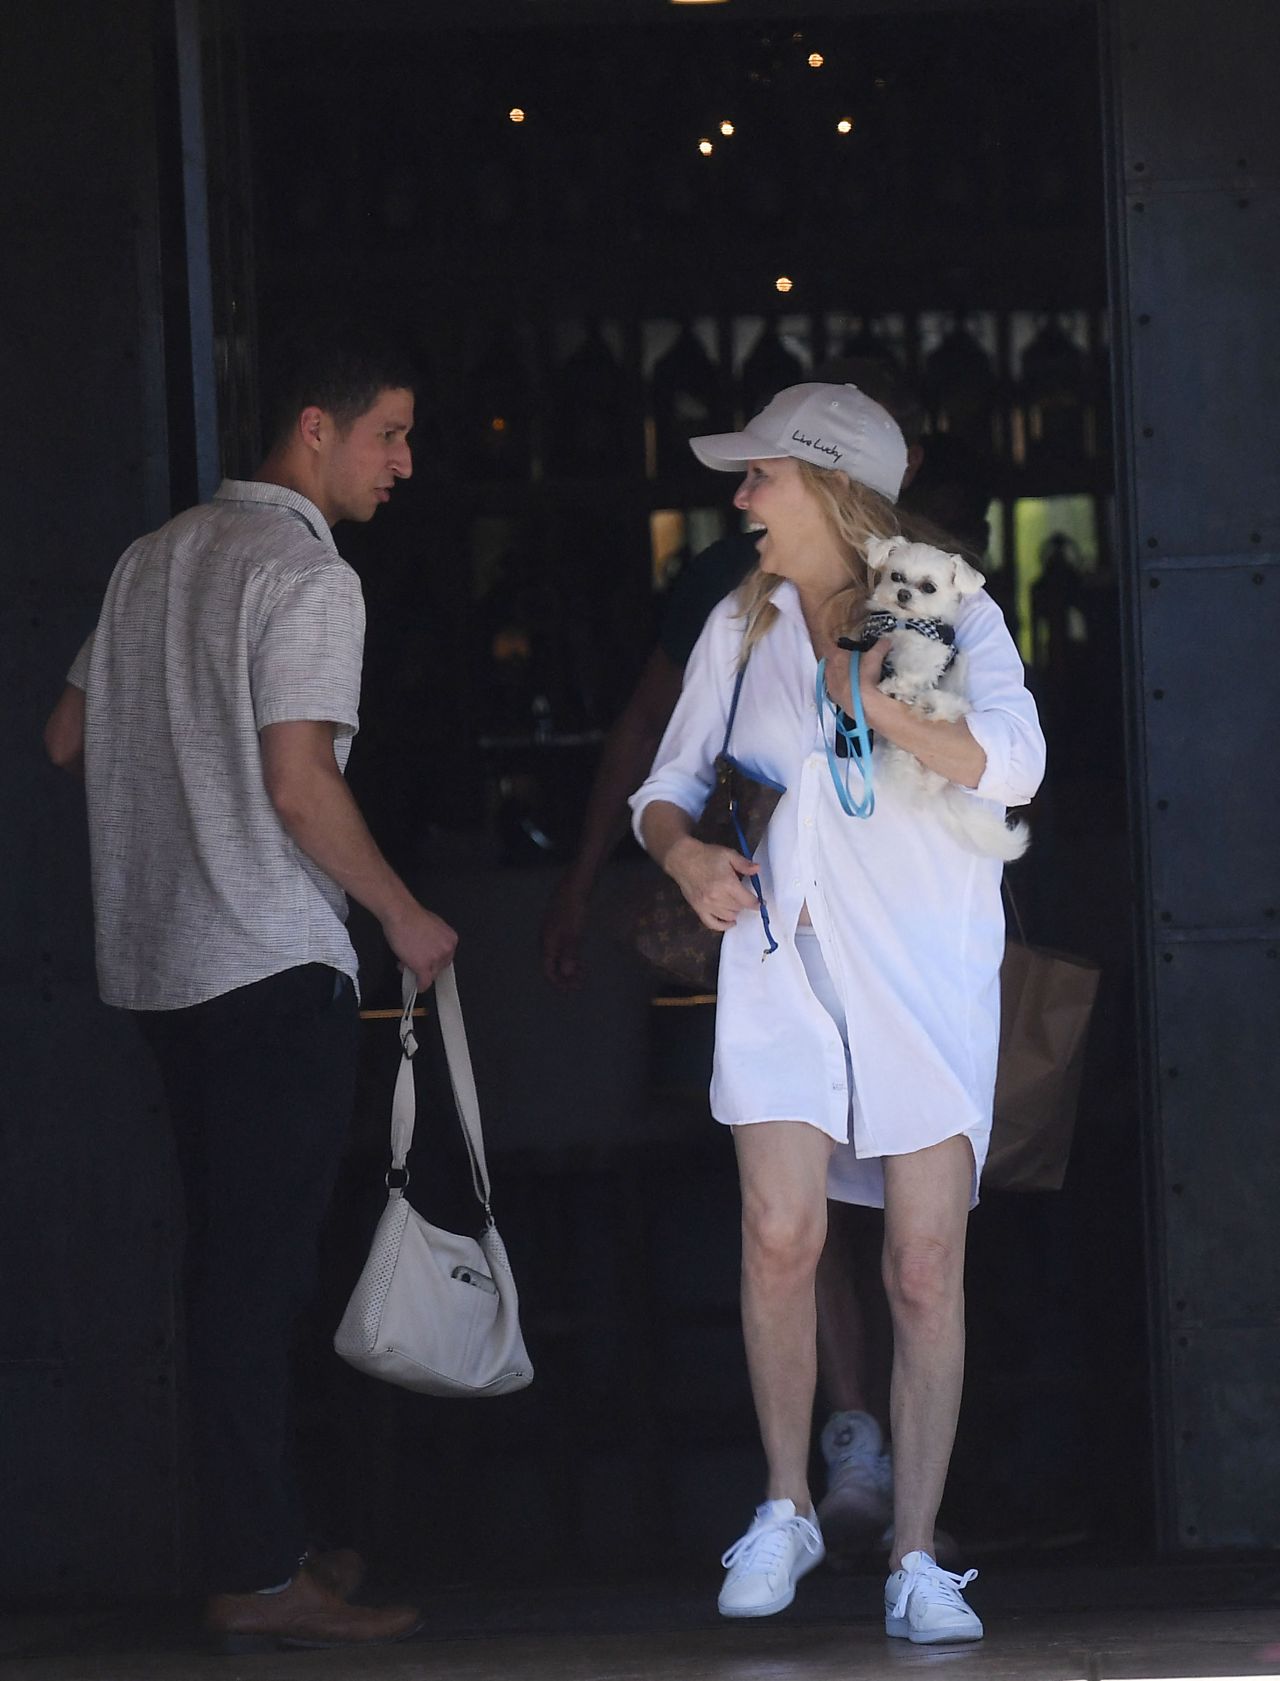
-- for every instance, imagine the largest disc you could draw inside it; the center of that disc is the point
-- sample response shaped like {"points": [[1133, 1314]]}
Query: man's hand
{"points": [[562, 927], [713, 880], [422, 941], [64, 733]]}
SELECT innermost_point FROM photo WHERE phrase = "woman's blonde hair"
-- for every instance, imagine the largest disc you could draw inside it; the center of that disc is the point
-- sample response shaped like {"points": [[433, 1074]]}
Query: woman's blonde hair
{"points": [[854, 515]]}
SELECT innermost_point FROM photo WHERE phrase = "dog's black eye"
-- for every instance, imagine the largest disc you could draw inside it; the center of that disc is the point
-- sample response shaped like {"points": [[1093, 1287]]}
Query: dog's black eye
{"points": [[928, 589], [897, 578]]}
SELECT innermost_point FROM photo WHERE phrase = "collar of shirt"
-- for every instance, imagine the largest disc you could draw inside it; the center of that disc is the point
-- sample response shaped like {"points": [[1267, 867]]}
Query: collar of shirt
{"points": [[786, 598], [277, 496]]}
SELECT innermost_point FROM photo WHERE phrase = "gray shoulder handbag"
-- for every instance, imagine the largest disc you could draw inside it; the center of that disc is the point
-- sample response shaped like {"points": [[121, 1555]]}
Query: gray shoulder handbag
{"points": [[434, 1311]]}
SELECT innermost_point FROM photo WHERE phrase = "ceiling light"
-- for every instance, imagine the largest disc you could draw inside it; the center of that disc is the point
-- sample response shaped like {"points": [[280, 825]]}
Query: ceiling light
{"points": [[726, 127], [816, 61], [516, 114], [783, 284], [845, 125], [706, 148]]}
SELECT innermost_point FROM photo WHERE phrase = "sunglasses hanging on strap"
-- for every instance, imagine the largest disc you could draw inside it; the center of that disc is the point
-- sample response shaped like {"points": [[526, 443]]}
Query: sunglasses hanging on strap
{"points": [[849, 739]]}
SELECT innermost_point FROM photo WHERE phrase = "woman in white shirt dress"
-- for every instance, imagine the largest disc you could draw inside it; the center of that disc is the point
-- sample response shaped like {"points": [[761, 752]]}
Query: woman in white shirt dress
{"points": [[858, 1059]]}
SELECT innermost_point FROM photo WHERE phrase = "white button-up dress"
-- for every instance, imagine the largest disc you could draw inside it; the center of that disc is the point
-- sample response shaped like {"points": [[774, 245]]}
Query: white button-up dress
{"points": [[910, 925]]}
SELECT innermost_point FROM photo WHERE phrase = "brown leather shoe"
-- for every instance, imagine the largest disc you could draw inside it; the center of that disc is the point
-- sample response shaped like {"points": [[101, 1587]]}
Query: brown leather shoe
{"points": [[306, 1613], [341, 1570]]}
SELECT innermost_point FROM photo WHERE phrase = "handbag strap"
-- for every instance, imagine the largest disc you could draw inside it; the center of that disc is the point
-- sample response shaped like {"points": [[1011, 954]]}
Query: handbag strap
{"points": [[461, 1078], [1012, 902], [733, 706]]}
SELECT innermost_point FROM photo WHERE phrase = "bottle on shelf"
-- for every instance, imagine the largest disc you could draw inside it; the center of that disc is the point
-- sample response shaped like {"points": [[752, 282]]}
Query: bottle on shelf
{"points": [[1056, 398], [593, 432], [688, 398], [960, 388], [770, 368], [866, 345]]}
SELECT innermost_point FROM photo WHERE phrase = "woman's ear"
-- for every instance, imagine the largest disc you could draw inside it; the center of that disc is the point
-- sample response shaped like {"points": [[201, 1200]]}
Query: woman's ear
{"points": [[967, 579]]}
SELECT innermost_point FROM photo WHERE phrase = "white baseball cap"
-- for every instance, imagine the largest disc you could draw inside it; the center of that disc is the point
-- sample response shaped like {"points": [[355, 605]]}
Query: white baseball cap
{"points": [[826, 425]]}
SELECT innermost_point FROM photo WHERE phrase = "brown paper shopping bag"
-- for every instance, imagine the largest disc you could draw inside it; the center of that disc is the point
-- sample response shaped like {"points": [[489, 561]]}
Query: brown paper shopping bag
{"points": [[1046, 998]]}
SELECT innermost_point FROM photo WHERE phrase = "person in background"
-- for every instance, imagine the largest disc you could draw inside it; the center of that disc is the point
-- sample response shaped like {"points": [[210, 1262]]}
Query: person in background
{"points": [[857, 1509], [211, 713], [858, 1059]]}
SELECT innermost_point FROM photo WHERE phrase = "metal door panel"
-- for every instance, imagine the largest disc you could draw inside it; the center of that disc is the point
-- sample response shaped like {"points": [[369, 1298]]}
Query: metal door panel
{"points": [[94, 1233], [1195, 252], [95, 1483], [1205, 372], [1219, 1010], [1191, 109], [1211, 712], [1227, 1399]]}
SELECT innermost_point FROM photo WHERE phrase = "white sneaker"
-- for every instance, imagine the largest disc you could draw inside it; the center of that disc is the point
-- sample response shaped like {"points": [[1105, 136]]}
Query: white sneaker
{"points": [[857, 1509], [923, 1602], [765, 1565]]}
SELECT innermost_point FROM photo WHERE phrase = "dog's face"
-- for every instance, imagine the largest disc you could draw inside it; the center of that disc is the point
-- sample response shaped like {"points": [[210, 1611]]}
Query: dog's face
{"points": [[915, 580]]}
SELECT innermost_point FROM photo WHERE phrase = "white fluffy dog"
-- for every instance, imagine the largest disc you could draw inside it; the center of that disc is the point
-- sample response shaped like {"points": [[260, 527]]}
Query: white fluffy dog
{"points": [[918, 593]]}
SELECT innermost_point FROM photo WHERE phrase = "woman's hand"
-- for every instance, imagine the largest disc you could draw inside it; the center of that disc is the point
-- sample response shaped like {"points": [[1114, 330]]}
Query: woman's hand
{"points": [[941, 745], [877, 707], [713, 880], [870, 671]]}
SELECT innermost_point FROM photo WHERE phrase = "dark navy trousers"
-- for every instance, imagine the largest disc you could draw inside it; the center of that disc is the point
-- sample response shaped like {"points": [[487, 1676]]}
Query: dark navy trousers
{"points": [[260, 1085]]}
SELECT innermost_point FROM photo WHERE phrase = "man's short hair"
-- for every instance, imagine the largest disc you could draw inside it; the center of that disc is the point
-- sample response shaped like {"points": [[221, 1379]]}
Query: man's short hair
{"points": [[334, 366]]}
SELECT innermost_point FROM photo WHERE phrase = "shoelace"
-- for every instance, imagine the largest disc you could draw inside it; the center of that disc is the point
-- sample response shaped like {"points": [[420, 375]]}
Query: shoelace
{"points": [[765, 1547], [948, 1585]]}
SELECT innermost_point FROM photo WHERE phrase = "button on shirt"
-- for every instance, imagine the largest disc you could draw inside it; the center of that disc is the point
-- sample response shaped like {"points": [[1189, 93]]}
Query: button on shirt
{"points": [[237, 614], [909, 923]]}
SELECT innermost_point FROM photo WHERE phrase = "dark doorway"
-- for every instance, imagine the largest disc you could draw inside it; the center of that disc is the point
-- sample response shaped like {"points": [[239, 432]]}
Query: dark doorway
{"points": [[602, 239]]}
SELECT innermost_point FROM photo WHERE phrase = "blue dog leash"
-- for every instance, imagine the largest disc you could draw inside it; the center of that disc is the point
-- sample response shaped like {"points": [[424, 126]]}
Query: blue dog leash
{"points": [[857, 739], [771, 945]]}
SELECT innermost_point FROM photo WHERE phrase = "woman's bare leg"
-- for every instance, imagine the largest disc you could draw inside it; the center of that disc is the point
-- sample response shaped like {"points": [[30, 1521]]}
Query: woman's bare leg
{"points": [[927, 1198], [782, 1166]]}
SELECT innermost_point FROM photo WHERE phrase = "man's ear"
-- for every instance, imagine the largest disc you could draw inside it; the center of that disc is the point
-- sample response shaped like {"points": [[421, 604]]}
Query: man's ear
{"points": [[967, 579], [313, 426]]}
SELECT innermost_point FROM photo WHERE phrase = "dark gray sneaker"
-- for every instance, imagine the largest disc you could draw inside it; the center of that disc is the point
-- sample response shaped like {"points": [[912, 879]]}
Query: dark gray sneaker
{"points": [[857, 1508]]}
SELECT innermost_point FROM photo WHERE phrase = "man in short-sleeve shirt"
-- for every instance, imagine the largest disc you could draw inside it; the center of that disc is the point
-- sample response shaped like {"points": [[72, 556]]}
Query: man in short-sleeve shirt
{"points": [[211, 713]]}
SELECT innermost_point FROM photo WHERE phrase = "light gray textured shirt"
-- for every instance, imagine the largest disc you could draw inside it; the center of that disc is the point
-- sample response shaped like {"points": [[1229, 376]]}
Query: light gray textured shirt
{"points": [[237, 614]]}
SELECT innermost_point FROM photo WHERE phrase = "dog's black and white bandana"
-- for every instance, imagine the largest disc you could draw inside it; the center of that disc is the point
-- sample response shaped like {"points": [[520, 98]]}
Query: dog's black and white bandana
{"points": [[883, 623]]}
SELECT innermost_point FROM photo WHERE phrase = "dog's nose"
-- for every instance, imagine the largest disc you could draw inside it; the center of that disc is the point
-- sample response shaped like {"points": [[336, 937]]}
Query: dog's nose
{"points": [[903, 597]]}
